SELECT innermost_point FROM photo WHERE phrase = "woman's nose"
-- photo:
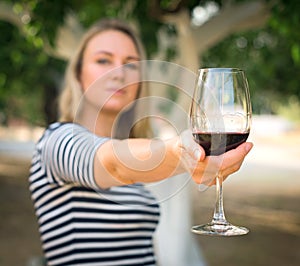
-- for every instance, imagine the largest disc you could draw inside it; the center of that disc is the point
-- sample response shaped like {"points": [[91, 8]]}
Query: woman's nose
{"points": [[118, 72]]}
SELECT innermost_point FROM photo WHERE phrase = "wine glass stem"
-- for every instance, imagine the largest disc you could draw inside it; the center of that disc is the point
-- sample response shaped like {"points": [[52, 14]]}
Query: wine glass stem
{"points": [[219, 216]]}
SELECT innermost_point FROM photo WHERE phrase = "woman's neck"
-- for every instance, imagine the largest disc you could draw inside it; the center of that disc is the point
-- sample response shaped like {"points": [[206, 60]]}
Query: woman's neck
{"points": [[100, 124]]}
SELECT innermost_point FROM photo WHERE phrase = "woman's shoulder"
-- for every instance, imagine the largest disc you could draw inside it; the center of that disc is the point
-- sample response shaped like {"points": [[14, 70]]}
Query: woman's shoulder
{"points": [[61, 128], [64, 127], [62, 133]]}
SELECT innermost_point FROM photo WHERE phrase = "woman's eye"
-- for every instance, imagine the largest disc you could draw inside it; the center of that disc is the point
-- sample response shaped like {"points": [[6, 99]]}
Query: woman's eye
{"points": [[133, 66], [103, 61]]}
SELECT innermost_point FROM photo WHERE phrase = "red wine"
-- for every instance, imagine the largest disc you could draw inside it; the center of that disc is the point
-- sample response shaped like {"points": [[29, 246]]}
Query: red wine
{"points": [[218, 143]]}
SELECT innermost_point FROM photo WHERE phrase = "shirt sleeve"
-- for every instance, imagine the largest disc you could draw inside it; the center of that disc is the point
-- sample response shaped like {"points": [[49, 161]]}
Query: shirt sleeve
{"points": [[67, 154]]}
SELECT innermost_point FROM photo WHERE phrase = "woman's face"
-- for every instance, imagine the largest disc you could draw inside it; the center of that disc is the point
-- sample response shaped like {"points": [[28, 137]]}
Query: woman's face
{"points": [[110, 71]]}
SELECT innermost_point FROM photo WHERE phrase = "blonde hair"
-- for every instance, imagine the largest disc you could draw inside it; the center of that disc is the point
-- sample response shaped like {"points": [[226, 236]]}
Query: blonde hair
{"points": [[72, 92]]}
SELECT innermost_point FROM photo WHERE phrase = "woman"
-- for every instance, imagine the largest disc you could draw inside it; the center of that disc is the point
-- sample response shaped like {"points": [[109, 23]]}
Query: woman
{"points": [[86, 182]]}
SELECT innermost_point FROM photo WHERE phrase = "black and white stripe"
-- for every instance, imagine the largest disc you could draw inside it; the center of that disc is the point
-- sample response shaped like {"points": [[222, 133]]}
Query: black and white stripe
{"points": [[79, 223]]}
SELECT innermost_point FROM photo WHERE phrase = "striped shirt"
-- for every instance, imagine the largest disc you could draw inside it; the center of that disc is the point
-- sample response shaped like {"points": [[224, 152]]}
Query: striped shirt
{"points": [[79, 223]]}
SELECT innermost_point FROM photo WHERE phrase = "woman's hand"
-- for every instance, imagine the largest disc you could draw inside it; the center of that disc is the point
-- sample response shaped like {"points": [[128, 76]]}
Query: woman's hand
{"points": [[204, 169]]}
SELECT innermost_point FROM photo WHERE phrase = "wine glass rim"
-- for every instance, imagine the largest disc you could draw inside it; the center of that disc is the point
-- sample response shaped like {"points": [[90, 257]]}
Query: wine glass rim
{"points": [[221, 69]]}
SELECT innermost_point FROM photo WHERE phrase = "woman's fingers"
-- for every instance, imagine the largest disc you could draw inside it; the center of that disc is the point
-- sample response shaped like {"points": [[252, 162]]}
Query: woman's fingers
{"points": [[223, 165], [191, 152], [204, 169], [233, 159], [189, 145]]}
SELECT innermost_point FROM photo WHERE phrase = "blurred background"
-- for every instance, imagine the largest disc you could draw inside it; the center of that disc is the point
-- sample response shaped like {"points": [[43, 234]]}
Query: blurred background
{"points": [[262, 37]]}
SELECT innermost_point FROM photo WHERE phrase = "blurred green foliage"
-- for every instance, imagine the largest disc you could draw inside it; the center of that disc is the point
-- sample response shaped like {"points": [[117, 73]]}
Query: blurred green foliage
{"points": [[25, 72], [30, 79]]}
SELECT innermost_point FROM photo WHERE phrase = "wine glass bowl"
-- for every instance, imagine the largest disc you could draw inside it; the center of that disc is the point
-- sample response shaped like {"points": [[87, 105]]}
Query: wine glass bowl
{"points": [[220, 120]]}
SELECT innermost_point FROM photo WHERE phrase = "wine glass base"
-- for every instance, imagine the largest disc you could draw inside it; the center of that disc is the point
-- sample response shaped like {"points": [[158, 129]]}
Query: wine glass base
{"points": [[214, 229]]}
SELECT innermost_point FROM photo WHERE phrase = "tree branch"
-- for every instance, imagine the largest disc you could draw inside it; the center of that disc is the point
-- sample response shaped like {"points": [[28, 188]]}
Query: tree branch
{"points": [[233, 18]]}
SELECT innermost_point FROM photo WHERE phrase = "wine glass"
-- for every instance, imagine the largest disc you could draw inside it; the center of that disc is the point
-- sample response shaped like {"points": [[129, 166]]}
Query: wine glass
{"points": [[220, 118]]}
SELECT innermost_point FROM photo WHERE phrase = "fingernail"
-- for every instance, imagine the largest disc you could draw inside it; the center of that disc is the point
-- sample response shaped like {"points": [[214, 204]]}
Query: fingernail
{"points": [[248, 147], [202, 187], [197, 154]]}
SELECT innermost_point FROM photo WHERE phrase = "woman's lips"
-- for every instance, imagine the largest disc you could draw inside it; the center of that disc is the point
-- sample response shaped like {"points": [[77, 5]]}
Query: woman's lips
{"points": [[115, 91]]}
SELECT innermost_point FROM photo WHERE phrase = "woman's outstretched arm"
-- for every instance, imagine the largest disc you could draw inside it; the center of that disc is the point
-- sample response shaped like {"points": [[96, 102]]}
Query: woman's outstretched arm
{"points": [[120, 162]]}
